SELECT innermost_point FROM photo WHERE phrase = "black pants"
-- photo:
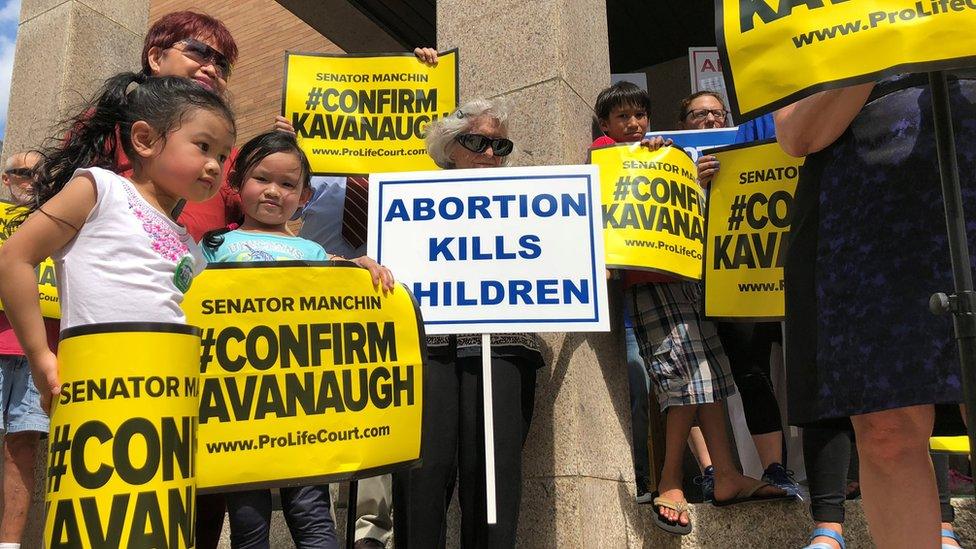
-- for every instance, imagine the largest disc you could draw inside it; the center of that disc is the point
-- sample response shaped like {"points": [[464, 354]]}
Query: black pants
{"points": [[827, 454], [640, 389], [210, 520], [748, 346], [453, 447], [307, 511]]}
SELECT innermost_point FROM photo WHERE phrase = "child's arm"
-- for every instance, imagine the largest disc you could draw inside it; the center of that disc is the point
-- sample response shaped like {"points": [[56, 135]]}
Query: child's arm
{"points": [[382, 276], [44, 232]]}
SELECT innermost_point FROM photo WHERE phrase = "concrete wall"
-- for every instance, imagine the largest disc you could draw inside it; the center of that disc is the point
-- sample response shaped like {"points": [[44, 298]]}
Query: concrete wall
{"points": [[65, 49]]}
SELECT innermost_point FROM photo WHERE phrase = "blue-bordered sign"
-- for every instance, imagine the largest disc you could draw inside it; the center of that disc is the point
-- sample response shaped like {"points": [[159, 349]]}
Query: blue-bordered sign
{"points": [[495, 250]]}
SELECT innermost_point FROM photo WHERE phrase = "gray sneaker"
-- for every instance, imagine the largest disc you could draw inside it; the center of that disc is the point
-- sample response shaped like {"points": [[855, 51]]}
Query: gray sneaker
{"points": [[643, 496]]}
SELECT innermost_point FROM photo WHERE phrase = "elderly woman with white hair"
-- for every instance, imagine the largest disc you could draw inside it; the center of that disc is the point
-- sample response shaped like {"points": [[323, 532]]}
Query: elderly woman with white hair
{"points": [[474, 136]]}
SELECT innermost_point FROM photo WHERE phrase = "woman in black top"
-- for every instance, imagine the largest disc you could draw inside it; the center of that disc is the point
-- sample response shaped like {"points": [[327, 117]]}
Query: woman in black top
{"points": [[868, 250]]}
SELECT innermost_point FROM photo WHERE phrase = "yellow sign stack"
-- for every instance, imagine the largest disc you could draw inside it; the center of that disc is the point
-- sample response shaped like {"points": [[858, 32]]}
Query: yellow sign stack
{"points": [[120, 470]]}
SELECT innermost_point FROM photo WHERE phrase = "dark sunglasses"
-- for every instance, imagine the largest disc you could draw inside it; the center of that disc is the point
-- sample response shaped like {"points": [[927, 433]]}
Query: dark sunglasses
{"points": [[477, 143], [20, 172], [204, 54]]}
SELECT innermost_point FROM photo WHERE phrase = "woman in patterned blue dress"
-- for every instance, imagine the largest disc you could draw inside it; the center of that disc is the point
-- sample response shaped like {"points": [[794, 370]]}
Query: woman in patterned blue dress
{"points": [[869, 248]]}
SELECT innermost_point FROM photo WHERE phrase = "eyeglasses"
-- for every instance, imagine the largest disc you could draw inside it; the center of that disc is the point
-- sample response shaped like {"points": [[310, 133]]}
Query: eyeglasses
{"points": [[20, 172], [702, 114], [205, 55], [477, 143]]}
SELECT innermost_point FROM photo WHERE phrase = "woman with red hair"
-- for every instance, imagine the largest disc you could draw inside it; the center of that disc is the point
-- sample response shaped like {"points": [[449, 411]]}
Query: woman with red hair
{"points": [[198, 47]]}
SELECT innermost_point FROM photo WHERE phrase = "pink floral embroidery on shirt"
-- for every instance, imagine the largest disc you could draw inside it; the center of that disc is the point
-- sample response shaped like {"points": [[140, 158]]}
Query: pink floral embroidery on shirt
{"points": [[165, 241]]}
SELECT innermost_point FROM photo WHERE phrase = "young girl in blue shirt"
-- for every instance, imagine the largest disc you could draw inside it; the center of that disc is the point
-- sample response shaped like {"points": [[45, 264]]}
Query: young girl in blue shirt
{"points": [[272, 175]]}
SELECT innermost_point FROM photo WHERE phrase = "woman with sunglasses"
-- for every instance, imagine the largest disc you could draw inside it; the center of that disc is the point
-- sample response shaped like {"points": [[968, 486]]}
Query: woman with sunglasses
{"points": [[198, 47], [474, 136]]}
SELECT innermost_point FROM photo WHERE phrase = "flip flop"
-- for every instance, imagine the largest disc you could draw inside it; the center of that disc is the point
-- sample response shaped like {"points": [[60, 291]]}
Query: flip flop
{"points": [[749, 496], [951, 535], [671, 527], [827, 533]]}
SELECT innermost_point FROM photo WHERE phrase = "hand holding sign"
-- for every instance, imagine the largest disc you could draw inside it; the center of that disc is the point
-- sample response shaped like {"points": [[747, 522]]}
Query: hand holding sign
{"points": [[307, 373], [653, 209]]}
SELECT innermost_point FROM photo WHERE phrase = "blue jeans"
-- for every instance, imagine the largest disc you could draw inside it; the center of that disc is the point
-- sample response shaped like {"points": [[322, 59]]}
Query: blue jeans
{"points": [[20, 402], [307, 511], [640, 389]]}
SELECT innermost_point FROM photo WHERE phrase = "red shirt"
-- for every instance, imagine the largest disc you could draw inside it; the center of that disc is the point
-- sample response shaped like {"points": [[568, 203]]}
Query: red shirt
{"points": [[8, 340], [632, 276]]}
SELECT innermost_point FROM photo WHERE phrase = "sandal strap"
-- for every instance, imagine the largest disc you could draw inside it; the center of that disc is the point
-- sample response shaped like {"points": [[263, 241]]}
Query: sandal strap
{"points": [[828, 533], [673, 505], [949, 534]]}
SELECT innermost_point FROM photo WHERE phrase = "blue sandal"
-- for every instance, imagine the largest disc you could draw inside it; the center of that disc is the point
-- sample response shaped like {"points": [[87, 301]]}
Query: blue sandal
{"points": [[827, 533], [951, 535]]}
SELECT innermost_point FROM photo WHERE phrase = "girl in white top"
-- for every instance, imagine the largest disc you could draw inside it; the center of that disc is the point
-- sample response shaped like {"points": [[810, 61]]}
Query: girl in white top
{"points": [[120, 255]]}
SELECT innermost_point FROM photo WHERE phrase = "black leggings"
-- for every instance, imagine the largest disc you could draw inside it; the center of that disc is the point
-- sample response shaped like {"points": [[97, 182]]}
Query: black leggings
{"points": [[453, 448], [827, 454], [748, 346]]}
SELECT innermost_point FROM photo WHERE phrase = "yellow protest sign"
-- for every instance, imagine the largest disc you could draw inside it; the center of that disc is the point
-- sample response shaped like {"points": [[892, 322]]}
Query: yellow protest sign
{"points": [[308, 375], [120, 469], [749, 212], [361, 114], [47, 285], [653, 209], [776, 52]]}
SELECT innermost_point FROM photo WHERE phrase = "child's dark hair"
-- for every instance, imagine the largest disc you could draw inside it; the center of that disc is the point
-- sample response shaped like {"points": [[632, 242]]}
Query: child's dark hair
{"points": [[621, 94], [91, 141], [249, 156]]}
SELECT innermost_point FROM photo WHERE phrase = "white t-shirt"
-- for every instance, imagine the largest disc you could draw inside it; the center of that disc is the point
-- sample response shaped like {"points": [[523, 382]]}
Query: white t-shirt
{"points": [[129, 262]]}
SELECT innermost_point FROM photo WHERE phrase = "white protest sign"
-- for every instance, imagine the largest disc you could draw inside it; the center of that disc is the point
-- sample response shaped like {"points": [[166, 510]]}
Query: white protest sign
{"points": [[705, 67], [495, 250]]}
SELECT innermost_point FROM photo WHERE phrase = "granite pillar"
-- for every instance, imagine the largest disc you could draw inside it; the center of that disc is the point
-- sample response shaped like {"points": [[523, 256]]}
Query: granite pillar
{"points": [[550, 59], [65, 50]]}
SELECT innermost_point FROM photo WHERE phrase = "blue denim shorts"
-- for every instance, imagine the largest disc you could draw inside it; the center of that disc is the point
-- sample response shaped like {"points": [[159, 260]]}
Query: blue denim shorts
{"points": [[20, 400]]}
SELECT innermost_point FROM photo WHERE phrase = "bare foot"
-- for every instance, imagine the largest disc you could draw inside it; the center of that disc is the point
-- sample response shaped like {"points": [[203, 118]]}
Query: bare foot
{"points": [[677, 496], [731, 486]]}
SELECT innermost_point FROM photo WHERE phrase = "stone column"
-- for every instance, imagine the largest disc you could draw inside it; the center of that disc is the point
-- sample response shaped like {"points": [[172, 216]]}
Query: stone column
{"points": [[550, 58], [65, 49]]}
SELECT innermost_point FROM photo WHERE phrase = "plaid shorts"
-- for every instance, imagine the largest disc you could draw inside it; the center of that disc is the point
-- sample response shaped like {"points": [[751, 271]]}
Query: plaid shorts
{"points": [[681, 350]]}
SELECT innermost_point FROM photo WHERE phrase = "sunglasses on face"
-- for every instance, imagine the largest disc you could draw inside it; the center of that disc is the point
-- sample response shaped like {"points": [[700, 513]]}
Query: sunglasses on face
{"points": [[19, 172], [477, 143], [702, 114], [205, 55]]}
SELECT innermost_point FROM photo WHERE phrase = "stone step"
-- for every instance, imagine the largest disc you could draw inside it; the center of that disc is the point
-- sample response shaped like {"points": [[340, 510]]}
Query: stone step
{"points": [[752, 525]]}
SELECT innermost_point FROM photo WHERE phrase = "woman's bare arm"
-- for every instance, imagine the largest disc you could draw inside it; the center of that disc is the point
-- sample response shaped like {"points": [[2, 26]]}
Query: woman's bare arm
{"points": [[813, 123]]}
